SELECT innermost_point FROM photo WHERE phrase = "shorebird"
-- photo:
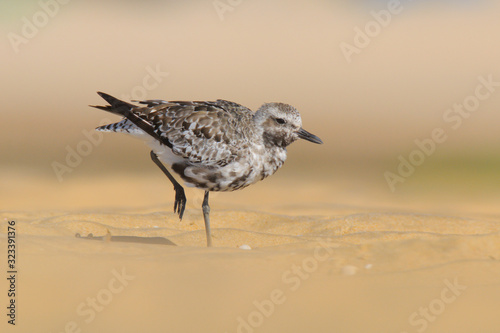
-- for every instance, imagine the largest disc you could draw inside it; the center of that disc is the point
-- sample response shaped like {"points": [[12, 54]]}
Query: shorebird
{"points": [[214, 146]]}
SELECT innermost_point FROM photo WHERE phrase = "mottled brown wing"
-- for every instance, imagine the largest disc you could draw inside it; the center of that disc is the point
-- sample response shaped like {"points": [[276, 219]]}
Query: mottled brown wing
{"points": [[201, 132]]}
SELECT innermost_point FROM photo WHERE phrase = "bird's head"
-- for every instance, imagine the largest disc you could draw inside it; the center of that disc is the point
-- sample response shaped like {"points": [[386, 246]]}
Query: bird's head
{"points": [[282, 125]]}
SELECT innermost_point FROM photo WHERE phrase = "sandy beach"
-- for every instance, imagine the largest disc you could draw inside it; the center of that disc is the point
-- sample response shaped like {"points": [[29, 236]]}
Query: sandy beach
{"points": [[309, 264]]}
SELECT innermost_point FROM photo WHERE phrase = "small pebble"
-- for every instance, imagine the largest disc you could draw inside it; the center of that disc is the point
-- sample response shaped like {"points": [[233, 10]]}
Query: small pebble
{"points": [[245, 247], [349, 270]]}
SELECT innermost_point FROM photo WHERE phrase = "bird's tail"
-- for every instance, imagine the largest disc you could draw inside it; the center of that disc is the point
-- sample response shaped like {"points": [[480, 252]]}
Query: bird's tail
{"points": [[128, 111], [116, 106]]}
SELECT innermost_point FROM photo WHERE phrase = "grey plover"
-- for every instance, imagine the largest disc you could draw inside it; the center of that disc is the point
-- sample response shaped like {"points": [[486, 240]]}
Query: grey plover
{"points": [[214, 146]]}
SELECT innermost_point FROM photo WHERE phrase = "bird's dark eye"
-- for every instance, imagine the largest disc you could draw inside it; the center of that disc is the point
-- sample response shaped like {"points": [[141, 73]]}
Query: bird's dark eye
{"points": [[280, 121]]}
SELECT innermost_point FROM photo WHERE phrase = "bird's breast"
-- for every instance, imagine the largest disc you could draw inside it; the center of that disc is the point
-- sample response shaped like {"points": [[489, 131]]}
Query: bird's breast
{"points": [[246, 169]]}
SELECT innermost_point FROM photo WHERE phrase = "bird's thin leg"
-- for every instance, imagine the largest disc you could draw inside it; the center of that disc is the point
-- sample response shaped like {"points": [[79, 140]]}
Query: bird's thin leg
{"points": [[180, 197], [206, 213]]}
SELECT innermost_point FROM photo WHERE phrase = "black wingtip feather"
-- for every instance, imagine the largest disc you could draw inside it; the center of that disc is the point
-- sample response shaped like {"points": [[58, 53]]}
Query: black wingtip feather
{"points": [[116, 105], [126, 110], [105, 108], [113, 101]]}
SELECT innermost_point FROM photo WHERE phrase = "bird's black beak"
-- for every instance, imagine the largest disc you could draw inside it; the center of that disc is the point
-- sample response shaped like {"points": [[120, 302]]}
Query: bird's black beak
{"points": [[303, 134]]}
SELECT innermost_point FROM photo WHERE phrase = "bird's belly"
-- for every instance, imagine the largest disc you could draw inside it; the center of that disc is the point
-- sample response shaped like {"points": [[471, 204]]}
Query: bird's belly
{"points": [[236, 175], [164, 153]]}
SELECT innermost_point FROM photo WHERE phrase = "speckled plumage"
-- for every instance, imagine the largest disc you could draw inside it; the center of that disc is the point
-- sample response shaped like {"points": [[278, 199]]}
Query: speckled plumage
{"points": [[214, 146]]}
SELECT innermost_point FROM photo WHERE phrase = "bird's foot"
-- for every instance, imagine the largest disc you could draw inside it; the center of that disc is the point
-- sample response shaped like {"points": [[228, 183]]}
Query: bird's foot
{"points": [[180, 201]]}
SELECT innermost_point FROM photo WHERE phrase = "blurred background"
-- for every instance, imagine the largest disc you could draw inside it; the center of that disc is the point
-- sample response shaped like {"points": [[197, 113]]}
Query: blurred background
{"points": [[369, 78]]}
